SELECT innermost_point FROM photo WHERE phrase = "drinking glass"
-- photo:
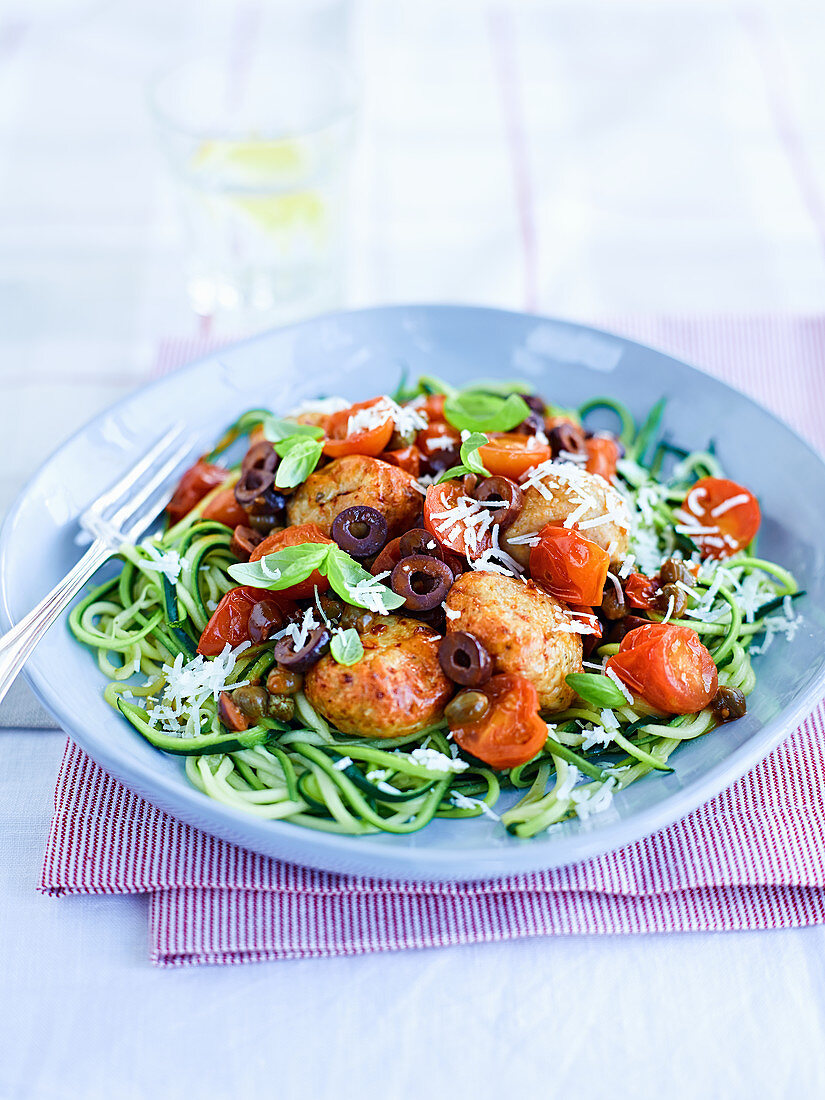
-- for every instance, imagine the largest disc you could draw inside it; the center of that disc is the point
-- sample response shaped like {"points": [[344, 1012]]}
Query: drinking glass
{"points": [[258, 153]]}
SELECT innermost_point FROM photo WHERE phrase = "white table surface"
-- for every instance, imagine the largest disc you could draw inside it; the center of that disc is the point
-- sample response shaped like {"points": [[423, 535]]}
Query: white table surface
{"points": [[580, 158]]}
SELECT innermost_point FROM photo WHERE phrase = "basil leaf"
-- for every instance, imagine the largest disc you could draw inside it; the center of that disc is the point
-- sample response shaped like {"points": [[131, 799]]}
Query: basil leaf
{"points": [[485, 412], [596, 689], [470, 459], [299, 457], [515, 385], [283, 568], [346, 648], [276, 429], [356, 586]]}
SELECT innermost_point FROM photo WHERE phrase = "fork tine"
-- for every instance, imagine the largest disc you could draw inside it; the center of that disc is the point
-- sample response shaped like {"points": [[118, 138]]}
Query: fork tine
{"points": [[135, 503], [136, 527], [113, 494]]}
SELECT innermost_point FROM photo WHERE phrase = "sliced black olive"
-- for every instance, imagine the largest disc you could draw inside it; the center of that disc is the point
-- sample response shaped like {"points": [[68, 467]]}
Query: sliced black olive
{"points": [[244, 541], [251, 484], [728, 704], [624, 626], [464, 659], [423, 582], [535, 403], [360, 530], [310, 653], [260, 456], [419, 541], [265, 618], [568, 438], [466, 707], [532, 423], [269, 503], [503, 492]]}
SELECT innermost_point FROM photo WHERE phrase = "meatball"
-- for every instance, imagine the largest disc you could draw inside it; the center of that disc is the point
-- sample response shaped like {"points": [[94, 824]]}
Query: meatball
{"points": [[397, 687], [522, 628], [357, 479], [570, 490]]}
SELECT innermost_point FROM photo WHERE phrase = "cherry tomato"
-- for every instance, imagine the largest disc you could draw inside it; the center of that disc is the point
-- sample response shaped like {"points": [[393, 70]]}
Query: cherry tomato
{"points": [[193, 486], [439, 445], [602, 456], [727, 515], [668, 666], [225, 509], [294, 536], [511, 732], [457, 532], [388, 558], [433, 407], [584, 615], [511, 455], [642, 591], [230, 619], [369, 441], [408, 458], [569, 566]]}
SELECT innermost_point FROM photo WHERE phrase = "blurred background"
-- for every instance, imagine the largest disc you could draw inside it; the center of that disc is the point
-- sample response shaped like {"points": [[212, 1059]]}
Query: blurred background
{"points": [[178, 173]]}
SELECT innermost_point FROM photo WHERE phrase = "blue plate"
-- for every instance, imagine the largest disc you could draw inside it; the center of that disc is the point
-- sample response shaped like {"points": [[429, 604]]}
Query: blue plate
{"points": [[359, 354]]}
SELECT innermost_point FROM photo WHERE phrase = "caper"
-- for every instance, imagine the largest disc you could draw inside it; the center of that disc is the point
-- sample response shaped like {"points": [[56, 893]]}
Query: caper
{"points": [[677, 595], [728, 704], [332, 606], [282, 707], [283, 681], [252, 701], [613, 602], [357, 617], [674, 570], [466, 707]]}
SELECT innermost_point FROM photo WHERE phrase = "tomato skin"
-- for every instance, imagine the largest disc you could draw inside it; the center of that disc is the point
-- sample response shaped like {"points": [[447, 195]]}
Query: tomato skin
{"points": [[407, 458], [736, 526], [225, 509], [439, 445], [641, 591], [668, 666], [370, 441], [433, 407], [294, 536], [602, 456], [511, 732], [511, 455], [442, 498], [569, 566], [193, 486], [230, 619]]}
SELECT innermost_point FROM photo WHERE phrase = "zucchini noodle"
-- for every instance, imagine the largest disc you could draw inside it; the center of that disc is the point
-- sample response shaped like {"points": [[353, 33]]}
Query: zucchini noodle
{"points": [[147, 621]]}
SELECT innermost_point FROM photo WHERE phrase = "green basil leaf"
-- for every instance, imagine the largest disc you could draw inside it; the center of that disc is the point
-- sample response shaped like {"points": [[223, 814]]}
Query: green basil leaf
{"points": [[276, 429], [346, 648], [515, 385], [299, 457], [454, 471], [429, 384], [596, 689], [485, 412], [356, 586], [283, 568], [470, 459]]}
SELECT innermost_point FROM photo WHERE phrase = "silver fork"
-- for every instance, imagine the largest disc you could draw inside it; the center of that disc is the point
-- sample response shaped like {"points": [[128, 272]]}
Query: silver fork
{"points": [[119, 515]]}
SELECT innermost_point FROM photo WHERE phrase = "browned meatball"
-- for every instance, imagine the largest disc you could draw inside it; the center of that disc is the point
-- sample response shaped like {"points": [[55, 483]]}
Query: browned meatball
{"points": [[395, 689], [357, 479], [522, 628]]}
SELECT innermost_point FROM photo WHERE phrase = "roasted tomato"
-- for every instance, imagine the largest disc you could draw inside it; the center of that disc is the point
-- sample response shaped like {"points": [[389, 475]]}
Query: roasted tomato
{"points": [[726, 516], [225, 509], [511, 732], [642, 591], [456, 521], [602, 456], [367, 441], [439, 445], [433, 407], [230, 619], [668, 666], [511, 455], [408, 458], [569, 566], [193, 486], [294, 536]]}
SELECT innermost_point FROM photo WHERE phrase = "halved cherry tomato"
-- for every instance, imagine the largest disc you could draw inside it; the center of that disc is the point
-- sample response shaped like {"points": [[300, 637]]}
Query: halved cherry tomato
{"points": [[440, 445], [230, 619], [408, 458], [225, 509], [726, 514], [586, 617], [602, 456], [388, 558], [569, 566], [449, 516], [369, 441], [433, 407], [511, 455], [511, 732], [642, 591], [294, 536], [193, 486], [668, 666]]}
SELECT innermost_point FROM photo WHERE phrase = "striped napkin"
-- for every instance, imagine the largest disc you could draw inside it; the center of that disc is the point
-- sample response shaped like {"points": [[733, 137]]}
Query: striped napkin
{"points": [[753, 857]]}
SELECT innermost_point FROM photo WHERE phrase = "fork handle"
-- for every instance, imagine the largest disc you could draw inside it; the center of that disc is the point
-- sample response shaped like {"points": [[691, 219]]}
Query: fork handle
{"points": [[17, 645]]}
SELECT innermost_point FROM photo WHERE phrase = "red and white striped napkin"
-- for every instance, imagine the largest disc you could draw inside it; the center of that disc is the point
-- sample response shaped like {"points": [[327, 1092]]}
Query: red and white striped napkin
{"points": [[753, 857]]}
